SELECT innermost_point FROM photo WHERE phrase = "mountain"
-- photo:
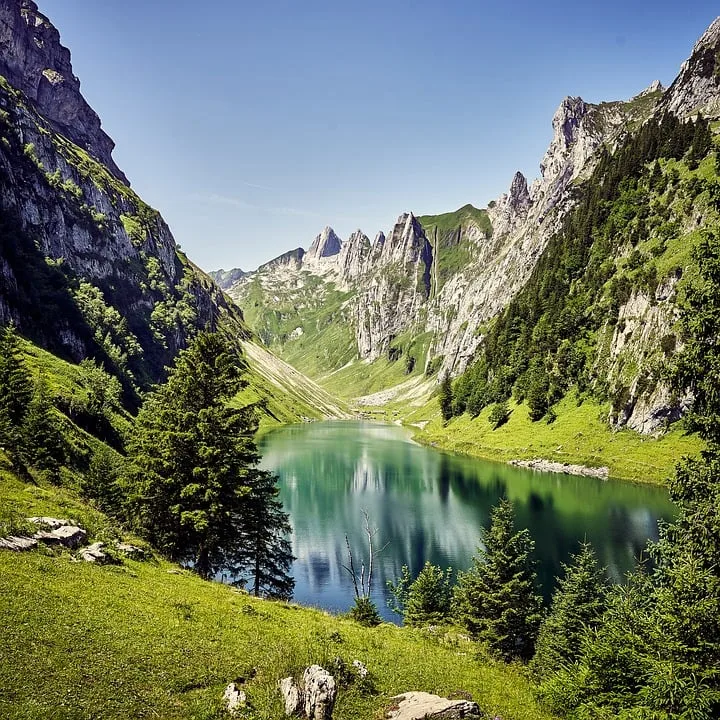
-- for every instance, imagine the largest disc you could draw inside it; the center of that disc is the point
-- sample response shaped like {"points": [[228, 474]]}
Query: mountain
{"points": [[363, 316], [88, 269]]}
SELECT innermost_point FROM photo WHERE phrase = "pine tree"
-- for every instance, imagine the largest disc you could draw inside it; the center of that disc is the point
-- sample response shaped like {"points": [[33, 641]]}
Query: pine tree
{"points": [[446, 398], [497, 599], [43, 446], [267, 555], [198, 494], [577, 605], [101, 481], [425, 600], [16, 391]]}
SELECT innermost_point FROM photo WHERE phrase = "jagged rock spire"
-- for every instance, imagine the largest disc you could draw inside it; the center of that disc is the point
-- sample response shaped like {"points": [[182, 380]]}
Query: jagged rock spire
{"points": [[326, 244], [697, 86]]}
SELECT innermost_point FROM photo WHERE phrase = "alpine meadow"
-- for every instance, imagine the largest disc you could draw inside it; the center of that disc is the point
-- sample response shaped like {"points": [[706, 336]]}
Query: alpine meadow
{"points": [[468, 468]]}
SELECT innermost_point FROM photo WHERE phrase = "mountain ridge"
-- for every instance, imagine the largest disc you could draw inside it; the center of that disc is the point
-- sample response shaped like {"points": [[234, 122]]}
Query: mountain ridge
{"points": [[434, 307]]}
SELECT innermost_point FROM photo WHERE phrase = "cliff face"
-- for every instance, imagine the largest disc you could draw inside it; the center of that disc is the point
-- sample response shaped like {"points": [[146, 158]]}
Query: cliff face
{"points": [[33, 60], [88, 269]]}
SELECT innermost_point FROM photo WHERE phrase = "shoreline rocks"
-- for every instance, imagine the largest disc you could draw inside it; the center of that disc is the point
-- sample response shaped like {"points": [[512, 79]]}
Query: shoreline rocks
{"points": [[565, 468]]}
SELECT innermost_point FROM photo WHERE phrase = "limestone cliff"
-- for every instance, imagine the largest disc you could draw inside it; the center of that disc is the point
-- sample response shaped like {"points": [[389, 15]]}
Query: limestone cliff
{"points": [[88, 268]]}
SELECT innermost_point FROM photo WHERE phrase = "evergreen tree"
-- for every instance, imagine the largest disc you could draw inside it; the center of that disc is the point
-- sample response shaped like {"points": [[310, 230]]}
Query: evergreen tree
{"points": [[43, 446], [267, 554], [198, 494], [446, 398], [425, 600], [101, 481], [497, 599], [16, 391], [577, 605], [656, 652]]}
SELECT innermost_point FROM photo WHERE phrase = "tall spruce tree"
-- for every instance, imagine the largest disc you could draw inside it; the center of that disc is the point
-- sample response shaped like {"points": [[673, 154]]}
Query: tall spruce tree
{"points": [[497, 599], [577, 606], [43, 446], [16, 391], [446, 398], [198, 494]]}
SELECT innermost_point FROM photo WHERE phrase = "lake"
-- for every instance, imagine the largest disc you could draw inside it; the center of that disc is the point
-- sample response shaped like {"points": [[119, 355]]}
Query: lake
{"points": [[431, 505]]}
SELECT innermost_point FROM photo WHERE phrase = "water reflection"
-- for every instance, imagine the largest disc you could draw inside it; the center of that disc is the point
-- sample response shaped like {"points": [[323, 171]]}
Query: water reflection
{"points": [[431, 505]]}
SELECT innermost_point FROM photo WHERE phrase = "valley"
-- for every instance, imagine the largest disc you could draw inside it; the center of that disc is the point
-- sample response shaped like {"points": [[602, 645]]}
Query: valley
{"points": [[291, 451]]}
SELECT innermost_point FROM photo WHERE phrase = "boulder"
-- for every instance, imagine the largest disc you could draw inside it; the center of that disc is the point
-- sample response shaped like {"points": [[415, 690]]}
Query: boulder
{"points": [[17, 544], [234, 699], [69, 536], [292, 694], [131, 551], [94, 553], [320, 691], [49, 522], [422, 705]]}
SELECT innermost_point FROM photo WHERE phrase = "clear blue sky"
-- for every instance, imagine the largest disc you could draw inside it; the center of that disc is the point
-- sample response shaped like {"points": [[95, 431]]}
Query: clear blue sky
{"points": [[252, 125]]}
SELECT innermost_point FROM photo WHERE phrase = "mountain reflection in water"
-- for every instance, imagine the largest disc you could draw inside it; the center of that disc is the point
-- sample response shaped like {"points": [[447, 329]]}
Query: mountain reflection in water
{"points": [[430, 505]]}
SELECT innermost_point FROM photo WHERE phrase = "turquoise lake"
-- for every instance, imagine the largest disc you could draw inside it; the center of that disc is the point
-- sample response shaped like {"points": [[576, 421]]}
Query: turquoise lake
{"points": [[431, 505]]}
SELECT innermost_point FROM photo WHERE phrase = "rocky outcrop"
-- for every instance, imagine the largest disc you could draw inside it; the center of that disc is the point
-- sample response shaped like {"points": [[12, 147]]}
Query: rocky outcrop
{"points": [[34, 61], [565, 468], [354, 256], [79, 244], [234, 700], [697, 86], [315, 698], [395, 293], [326, 244], [225, 279], [422, 705], [642, 339]]}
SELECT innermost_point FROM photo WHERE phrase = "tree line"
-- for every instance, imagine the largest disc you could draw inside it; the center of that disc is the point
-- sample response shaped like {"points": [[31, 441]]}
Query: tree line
{"points": [[185, 476], [543, 343]]}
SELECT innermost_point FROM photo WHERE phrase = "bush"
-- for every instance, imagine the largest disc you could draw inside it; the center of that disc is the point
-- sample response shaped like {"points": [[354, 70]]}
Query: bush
{"points": [[365, 612], [499, 414]]}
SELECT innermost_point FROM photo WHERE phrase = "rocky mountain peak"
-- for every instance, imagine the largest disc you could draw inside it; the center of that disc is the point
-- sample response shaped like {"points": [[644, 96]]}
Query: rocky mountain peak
{"points": [[326, 244], [697, 87], [33, 60], [567, 119], [353, 255], [519, 195], [652, 88]]}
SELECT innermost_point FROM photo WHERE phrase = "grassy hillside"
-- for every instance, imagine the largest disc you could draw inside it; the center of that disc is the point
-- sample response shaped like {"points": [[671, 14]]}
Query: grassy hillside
{"points": [[146, 639], [579, 435]]}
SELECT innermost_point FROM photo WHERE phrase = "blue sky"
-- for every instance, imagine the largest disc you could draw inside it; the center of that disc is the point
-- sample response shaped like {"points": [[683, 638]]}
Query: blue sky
{"points": [[252, 125]]}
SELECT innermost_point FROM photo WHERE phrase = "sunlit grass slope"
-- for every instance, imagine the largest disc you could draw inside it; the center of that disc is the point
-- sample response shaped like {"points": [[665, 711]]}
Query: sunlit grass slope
{"points": [[148, 640], [579, 435]]}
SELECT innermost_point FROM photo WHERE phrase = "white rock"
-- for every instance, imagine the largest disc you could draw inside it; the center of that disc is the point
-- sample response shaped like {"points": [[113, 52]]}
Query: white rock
{"points": [[234, 699], [292, 694], [320, 693], [93, 553], [50, 522], [17, 544], [421, 705]]}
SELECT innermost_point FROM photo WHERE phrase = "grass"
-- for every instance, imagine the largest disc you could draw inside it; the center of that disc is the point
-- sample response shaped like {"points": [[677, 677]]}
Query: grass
{"points": [[147, 639], [580, 435]]}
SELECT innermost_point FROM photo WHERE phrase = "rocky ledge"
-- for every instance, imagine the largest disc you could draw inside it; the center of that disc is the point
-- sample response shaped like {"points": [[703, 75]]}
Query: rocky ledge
{"points": [[565, 468]]}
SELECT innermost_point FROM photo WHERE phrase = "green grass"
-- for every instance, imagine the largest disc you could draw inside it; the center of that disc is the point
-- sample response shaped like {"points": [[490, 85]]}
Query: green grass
{"points": [[580, 435], [146, 639], [452, 251]]}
